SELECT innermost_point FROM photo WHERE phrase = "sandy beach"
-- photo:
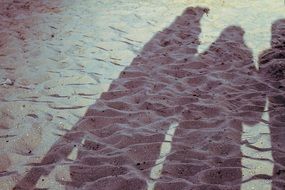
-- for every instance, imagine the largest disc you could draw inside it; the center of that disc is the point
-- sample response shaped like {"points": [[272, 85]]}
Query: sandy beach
{"points": [[143, 95]]}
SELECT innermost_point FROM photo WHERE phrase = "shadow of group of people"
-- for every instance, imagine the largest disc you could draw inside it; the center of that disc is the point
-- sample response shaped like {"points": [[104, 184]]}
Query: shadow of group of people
{"points": [[210, 95]]}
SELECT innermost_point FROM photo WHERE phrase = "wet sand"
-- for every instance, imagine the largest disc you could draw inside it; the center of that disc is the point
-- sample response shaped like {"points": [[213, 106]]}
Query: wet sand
{"points": [[173, 119]]}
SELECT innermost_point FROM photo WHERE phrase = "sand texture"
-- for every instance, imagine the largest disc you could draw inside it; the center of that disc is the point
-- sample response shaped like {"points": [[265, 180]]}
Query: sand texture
{"points": [[138, 104], [209, 95]]}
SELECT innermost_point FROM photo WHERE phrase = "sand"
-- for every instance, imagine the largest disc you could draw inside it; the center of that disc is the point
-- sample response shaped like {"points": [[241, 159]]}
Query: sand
{"points": [[176, 117]]}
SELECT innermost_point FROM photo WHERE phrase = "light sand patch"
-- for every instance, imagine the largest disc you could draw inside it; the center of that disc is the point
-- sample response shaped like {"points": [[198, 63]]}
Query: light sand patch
{"points": [[164, 151], [257, 136]]}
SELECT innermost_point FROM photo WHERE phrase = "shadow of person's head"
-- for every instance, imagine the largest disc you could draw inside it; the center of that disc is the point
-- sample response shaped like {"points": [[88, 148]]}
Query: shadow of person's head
{"points": [[278, 34], [271, 61]]}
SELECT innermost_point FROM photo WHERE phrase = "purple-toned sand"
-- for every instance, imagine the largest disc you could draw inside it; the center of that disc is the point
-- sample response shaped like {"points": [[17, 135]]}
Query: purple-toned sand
{"points": [[209, 95]]}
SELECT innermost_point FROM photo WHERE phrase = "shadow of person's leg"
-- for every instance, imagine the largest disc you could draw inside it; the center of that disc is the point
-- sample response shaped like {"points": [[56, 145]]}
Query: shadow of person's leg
{"points": [[272, 70]]}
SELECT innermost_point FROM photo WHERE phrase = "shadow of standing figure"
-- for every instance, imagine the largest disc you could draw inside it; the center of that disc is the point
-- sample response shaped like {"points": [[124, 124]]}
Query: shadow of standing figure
{"points": [[118, 139], [206, 146], [272, 72], [210, 95]]}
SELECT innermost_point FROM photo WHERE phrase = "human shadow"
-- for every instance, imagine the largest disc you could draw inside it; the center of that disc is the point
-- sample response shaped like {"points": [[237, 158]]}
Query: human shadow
{"points": [[272, 73], [226, 93], [210, 95]]}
